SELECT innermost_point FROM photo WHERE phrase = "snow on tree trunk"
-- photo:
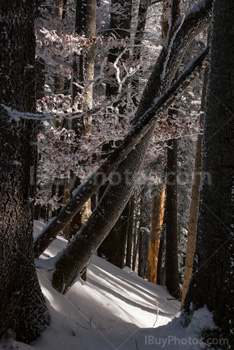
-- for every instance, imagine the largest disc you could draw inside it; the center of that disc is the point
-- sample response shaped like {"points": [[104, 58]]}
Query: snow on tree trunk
{"points": [[22, 305]]}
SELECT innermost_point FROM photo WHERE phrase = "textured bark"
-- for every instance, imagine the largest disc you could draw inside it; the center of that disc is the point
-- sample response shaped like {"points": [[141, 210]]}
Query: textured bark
{"points": [[144, 232], [129, 231], [172, 272], [146, 123], [114, 246], [193, 212], [138, 40], [212, 282], [22, 305], [161, 272], [155, 232]]}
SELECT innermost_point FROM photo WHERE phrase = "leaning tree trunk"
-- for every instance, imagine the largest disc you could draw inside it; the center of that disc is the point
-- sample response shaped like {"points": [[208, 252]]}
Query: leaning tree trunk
{"points": [[22, 305], [80, 250], [212, 282]]}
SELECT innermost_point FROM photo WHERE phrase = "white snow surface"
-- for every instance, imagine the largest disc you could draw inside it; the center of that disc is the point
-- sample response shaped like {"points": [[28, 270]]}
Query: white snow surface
{"points": [[114, 310]]}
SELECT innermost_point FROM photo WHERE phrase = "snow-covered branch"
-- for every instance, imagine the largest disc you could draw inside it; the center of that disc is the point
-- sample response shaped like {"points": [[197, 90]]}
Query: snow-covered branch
{"points": [[146, 122], [16, 115]]}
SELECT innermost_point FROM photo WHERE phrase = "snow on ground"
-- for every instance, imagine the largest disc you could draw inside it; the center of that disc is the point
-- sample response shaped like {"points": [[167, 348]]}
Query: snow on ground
{"points": [[114, 309]]}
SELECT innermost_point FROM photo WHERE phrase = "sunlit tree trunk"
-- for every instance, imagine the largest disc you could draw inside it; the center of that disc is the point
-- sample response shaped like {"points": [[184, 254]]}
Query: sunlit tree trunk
{"points": [[157, 216]]}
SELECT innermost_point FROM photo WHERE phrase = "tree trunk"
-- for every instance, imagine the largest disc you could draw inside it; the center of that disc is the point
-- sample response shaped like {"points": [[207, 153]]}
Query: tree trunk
{"points": [[172, 272], [171, 11], [193, 213], [144, 232], [138, 40], [22, 305], [129, 230], [83, 73], [161, 272], [212, 283], [157, 216]]}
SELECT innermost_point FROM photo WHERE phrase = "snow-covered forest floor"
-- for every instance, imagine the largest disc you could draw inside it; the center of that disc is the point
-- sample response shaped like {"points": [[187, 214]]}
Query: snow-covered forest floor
{"points": [[114, 309]]}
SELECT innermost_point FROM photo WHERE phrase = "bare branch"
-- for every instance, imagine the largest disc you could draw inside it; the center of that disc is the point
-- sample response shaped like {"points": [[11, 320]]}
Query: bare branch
{"points": [[137, 132]]}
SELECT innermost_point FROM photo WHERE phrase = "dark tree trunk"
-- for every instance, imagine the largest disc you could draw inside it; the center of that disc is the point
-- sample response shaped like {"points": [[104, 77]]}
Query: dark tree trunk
{"points": [[22, 305], [172, 272], [144, 232], [212, 282], [129, 230], [138, 40], [193, 211], [161, 271], [114, 246]]}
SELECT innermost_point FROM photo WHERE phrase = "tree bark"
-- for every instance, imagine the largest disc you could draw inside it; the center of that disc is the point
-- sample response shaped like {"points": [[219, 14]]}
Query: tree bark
{"points": [[83, 73], [157, 216], [212, 282], [22, 305], [172, 272], [171, 11], [144, 232], [193, 213]]}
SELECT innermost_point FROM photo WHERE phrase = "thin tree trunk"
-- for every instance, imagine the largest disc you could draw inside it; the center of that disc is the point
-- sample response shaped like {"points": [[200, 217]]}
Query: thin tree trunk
{"points": [[171, 10], [83, 73], [193, 213], [161, 272], [144, 226], [130, 233], [172, 272], [157, 216]]}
